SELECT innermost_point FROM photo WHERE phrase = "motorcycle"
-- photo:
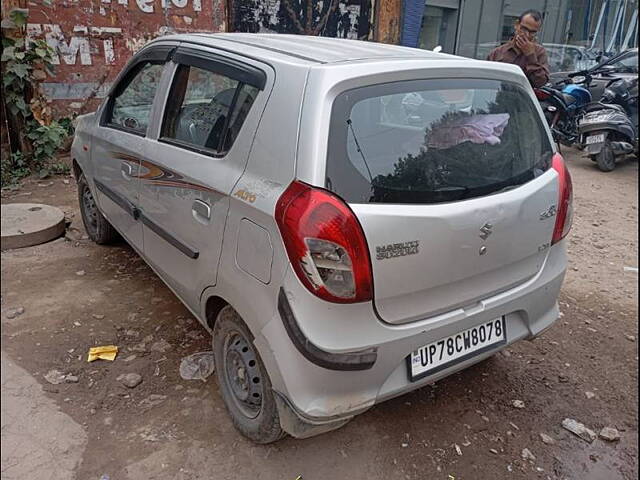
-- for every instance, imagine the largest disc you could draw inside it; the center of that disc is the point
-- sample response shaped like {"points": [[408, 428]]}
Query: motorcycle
{"points": [[609, 128], [562, 103]]}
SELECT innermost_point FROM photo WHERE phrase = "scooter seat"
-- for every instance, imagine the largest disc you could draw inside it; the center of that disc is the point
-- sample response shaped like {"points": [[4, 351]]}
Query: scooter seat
{"points": [[592, 107]]}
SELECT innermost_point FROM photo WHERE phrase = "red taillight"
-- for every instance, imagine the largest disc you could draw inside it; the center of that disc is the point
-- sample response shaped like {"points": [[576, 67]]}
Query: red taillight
{"points": [[325, 244], [564, 215], [541, 94]]}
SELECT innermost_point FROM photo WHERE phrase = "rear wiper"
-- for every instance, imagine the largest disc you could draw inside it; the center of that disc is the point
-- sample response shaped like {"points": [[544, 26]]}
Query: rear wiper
{"points": [[460, 191], [451, 188], [359, 149], [507, 188]]}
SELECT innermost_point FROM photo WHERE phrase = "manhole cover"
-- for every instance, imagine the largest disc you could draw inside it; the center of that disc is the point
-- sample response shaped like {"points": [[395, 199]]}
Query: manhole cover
{"points": [[26, 224]]}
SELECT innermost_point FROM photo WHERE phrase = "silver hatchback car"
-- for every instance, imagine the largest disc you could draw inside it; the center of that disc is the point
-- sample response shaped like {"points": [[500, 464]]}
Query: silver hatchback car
{"points": [[351, 221]]}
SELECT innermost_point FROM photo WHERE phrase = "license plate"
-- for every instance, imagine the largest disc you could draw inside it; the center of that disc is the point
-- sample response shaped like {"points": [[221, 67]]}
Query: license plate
{"points": [[595, 139], [456, 348]]}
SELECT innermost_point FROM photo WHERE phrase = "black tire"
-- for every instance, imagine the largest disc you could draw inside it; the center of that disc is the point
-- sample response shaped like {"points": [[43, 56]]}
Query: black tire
{"points": [[606, 159], [243, 380], [98, 228]]}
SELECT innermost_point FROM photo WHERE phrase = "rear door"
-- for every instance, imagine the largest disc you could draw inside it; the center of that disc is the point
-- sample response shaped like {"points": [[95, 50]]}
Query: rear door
{"points": [[199, 151], [119, 139], [451, 182]]}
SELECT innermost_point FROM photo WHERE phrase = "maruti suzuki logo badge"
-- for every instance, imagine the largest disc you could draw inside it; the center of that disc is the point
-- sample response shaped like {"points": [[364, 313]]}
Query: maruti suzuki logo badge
{"points": [[485, 231], [397, 250]]}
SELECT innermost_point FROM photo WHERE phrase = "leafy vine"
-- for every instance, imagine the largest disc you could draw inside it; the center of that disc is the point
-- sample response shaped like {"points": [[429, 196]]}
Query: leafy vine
{"points": [[25, 64]]}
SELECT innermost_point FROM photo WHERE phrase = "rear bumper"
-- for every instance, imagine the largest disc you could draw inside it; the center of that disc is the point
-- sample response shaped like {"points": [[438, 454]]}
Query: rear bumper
{"points": [[319, 395]]}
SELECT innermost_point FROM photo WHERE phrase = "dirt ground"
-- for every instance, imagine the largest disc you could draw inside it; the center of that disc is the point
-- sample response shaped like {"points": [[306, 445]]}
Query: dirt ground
{"points": [[76, 294]]}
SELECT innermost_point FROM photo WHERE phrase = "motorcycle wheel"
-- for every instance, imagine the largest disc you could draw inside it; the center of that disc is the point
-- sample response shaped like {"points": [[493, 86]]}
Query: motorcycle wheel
{"points": [[606, 159]]}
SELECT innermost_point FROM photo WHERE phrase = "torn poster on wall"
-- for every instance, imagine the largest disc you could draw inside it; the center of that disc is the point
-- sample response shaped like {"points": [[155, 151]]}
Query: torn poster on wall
{"points": [[327, 18]]}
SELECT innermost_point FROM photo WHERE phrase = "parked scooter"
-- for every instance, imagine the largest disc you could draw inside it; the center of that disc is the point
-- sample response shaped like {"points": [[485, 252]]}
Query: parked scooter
{"points": [[562, 104], [609, 128]]}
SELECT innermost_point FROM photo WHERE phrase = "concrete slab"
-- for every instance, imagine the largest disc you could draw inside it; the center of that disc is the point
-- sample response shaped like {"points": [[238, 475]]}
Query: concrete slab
{"points": [[27, 224], [38, 440]]}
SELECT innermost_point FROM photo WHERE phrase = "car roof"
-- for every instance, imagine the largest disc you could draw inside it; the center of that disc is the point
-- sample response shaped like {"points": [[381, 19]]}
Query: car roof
{"points": [[308, 49]]}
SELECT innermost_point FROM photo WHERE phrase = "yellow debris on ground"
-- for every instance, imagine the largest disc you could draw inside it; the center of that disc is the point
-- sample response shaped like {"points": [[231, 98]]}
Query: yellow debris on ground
{"points": [[106, 352]]}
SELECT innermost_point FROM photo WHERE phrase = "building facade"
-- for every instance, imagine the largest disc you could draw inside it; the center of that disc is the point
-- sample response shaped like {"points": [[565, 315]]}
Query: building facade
{"points": [[574, 32]]}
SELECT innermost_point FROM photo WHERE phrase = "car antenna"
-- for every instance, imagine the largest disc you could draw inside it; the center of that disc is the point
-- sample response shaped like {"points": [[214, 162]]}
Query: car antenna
{"points": [[359, 149]]}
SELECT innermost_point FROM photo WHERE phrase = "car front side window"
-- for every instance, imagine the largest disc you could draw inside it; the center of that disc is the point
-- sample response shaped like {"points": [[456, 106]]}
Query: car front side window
{"points": [[130, 107], [205, 110]]}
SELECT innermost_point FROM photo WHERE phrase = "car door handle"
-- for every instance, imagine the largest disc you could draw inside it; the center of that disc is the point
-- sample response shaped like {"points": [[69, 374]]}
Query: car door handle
{"points": [[126, 169], [201, 209]]}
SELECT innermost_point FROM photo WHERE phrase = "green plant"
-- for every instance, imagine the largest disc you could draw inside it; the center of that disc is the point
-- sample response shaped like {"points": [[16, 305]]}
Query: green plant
{"points": [[46, 140], [14, 168], [60, 168], [67, 124], [25, 64]]}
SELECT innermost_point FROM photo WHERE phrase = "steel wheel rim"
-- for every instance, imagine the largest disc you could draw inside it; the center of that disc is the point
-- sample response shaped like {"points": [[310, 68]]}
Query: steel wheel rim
{"points": [[89, 209], [243, 375]]}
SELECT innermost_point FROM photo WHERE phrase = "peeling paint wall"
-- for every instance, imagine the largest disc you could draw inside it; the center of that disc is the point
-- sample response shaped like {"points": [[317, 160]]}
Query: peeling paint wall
{"points": [[388, 18], [328, 18], [94, 39]]}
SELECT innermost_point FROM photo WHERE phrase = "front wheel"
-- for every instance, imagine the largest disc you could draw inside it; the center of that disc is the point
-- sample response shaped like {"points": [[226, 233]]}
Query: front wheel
{"points": [[605, 158], [98, 228], [243, 380]]}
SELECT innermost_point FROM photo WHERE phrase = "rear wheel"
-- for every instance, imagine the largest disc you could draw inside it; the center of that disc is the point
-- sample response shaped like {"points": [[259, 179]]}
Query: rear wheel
{"points": [[98, 228], [243, 380], [606, 159]]}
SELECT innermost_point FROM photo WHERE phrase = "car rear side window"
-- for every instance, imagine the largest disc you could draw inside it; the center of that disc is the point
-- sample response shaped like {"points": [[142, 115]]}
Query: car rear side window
{"points": [[205, 109], [130, 106], [431, 141]]}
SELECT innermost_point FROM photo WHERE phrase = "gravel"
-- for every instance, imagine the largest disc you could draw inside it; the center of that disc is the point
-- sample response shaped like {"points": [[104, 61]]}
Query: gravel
{"points": [[579, 429], [610, 434], [130, 380], [527, 455], [546, 439]]}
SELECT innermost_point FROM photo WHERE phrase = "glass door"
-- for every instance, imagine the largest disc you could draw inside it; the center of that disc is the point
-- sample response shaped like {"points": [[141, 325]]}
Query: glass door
{"points": [[439, 26]]}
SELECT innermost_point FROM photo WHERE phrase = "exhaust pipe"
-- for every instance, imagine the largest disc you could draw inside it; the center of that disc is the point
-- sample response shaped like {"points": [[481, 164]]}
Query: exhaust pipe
{"points": [[621, 148]]}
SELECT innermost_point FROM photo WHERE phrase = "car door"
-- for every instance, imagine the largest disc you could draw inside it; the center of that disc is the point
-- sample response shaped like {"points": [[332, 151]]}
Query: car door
{"points": [[120, 136], [200, 149]]}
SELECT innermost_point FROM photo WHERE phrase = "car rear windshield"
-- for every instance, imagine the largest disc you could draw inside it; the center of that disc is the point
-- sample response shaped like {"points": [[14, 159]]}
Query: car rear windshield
{"points": [[431, 141]]}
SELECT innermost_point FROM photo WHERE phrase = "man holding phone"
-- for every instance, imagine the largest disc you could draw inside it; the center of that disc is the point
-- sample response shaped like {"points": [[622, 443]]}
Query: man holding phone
{"points": [[524, 51]]}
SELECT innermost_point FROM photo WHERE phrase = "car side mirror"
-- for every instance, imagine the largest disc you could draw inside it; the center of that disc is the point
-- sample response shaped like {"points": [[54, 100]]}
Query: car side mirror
{"points": [[438, 49]]}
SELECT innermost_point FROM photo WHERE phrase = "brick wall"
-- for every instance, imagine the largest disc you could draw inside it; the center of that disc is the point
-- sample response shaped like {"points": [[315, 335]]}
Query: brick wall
{"points": [[95, 38]]}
